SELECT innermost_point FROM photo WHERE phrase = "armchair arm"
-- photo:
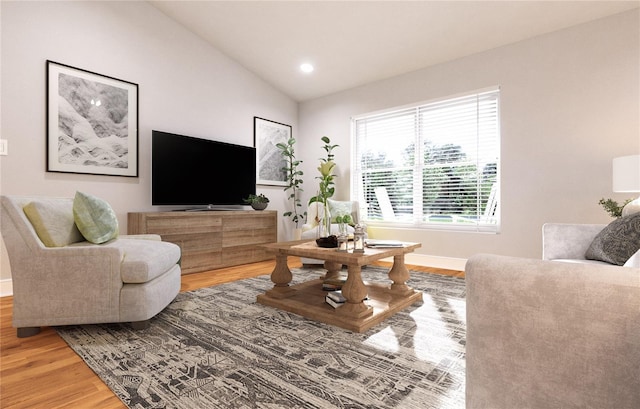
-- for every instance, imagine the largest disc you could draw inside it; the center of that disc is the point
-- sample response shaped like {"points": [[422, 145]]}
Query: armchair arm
{"points": [[58, 286], [542, 334], [567, 241]]}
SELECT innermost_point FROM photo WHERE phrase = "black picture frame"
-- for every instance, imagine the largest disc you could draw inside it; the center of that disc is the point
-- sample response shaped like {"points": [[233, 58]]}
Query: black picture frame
{"points": [[269, 159], [92, 122]]}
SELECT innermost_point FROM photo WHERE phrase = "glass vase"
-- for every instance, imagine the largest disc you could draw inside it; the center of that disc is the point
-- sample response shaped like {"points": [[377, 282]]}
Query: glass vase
{"points": [[324, 228]]}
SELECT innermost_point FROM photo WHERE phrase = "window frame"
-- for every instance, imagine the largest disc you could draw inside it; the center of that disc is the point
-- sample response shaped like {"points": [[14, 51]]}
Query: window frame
{"points": [[488, 221]]}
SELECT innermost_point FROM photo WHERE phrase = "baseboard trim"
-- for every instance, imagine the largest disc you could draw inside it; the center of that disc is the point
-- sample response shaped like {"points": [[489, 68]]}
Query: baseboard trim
{"points": [[449, 263], [6, 287]]}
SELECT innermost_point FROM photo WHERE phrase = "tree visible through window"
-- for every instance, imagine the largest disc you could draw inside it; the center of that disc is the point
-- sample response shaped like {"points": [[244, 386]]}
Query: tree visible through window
{"points": [[431, 165]]}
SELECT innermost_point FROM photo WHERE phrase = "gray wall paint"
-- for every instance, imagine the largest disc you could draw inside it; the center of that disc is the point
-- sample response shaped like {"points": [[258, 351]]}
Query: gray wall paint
{"points": [[569, 105], [185, 85]]}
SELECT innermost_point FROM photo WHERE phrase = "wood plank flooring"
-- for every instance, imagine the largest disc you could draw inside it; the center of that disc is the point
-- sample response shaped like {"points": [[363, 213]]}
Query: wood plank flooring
{"points": [[43, 372]]}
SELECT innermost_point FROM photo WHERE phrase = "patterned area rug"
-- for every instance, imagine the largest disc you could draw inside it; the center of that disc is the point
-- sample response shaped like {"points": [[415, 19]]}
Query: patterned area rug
{"points": [[217, 348]]}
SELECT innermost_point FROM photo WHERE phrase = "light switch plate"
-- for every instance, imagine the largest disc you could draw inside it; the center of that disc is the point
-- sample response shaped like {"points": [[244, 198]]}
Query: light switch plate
{"points": [[4, 147]]}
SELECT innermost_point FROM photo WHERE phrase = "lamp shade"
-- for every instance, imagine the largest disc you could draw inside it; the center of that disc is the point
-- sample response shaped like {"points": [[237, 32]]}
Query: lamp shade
{"points": [[626, 174]]}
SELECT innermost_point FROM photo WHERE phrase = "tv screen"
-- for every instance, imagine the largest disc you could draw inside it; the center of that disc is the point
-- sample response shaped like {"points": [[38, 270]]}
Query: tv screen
{"points": [[188, 171]]}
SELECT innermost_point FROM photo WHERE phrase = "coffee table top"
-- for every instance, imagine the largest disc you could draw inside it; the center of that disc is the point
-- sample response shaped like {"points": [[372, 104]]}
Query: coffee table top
{"points": [[308, 248]]}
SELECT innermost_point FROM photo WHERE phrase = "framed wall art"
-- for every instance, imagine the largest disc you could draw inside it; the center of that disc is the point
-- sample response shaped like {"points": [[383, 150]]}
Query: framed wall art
{"points": [[92, 122], [269, 160]]}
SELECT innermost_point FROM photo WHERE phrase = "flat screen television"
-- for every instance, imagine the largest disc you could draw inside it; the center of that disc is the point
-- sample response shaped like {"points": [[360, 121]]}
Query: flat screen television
{"points": [[189, 171]]}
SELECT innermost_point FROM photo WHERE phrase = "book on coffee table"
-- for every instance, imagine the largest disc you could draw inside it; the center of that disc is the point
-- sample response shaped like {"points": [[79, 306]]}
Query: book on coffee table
{"points": [[333, 284], [380, 243], [335, 299]]}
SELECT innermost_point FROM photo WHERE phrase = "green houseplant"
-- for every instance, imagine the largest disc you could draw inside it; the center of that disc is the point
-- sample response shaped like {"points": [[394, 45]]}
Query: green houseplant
{"points": [[326, 186], [612, 207], [294, 181], [257, 202]]}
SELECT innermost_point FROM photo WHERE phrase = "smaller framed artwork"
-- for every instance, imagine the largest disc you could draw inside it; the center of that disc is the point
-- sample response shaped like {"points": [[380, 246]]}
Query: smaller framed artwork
{"points": [[92, 122], [269, 160]]}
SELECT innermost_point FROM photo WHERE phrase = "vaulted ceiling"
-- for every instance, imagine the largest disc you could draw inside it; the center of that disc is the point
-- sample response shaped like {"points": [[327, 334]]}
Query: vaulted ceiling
{"points": [[351, 43]]}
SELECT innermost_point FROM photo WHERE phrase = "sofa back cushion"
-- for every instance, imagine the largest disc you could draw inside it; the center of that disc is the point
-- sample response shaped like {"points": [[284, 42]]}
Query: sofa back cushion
{"points": [[52, 219]]}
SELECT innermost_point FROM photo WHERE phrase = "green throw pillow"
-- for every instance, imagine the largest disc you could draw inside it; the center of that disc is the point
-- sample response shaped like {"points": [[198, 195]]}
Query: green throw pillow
{"points": [[52, 219], [340, 208], [95, 219], [617, 242]]}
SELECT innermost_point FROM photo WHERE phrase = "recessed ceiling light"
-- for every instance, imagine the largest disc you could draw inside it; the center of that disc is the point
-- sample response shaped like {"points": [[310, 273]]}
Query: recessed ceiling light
{"points": [[306, 67]]}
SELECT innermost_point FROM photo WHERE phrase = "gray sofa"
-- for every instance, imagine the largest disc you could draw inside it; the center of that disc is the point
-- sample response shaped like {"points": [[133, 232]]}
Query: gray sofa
{"points": [[127, 279], [550, 334]]}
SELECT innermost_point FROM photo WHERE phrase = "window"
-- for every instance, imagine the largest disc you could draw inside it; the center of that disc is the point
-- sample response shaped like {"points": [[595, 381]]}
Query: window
{"points": [[434, 165]]}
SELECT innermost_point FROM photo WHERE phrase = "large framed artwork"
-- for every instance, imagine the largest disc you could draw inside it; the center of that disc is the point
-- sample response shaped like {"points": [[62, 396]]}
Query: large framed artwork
{"points": [[92, 122], [269, 160]]}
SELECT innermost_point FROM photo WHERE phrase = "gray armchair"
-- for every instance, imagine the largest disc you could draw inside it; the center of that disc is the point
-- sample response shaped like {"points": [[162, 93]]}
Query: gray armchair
{"points": [[128, 279], [550, 334]]}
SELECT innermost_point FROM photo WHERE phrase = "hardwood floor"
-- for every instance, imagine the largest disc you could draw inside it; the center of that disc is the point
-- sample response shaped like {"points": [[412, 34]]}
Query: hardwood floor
{"points": [[43, 372]]}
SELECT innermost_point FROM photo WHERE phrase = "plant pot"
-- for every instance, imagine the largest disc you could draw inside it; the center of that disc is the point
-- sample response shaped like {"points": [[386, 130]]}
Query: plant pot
{"points": [[259, 206]]}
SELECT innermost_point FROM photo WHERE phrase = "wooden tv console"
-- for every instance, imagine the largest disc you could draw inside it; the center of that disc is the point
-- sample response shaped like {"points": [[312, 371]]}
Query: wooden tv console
{"points": [[211, 239]]}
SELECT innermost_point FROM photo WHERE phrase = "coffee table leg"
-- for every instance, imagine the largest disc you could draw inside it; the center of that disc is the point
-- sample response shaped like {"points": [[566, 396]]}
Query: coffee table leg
{"points": [[399, 275], [281, 277], [333, 270], [355, 292]]}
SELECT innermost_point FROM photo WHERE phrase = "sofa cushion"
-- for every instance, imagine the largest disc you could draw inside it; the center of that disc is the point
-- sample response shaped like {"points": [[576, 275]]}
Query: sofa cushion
{"points": [[617, 242], [95, 218], [143, 260], [52, 219], [634, 261]]}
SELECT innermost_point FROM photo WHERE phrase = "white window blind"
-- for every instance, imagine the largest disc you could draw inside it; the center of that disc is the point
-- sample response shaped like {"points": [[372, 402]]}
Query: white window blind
{"points": [[433, 165]]}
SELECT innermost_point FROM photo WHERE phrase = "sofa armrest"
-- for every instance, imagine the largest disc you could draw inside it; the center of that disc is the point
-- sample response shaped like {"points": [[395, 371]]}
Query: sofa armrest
{"points": [[567, 241], [65, 285], [542, 334]]}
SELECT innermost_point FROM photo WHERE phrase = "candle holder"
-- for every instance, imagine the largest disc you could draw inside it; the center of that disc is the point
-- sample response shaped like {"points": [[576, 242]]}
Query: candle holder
{"points": [[343, 241], [358, 239]]}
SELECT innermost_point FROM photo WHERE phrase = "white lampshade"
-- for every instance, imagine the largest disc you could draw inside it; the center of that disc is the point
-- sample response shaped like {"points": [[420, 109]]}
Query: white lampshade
{"points": [[626, 174]]}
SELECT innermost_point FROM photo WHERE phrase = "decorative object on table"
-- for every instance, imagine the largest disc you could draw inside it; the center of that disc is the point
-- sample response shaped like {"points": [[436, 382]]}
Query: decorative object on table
{"points": [[343, 221], [326, 187], [358, 239], [257, 202], [626, 178], [343, 237], [294, 181], [343, 243], [92, 122], [328, 242], [269, 160]]}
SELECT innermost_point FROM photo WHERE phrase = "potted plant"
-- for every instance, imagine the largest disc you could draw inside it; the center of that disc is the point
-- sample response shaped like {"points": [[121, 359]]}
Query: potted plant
{"points": [[612, 207], [257, 202], [327, 188], [294, 184]]}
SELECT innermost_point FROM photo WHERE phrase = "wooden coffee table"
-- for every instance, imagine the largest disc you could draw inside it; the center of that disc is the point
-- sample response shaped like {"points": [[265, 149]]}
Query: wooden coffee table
{"points": [[357, 314]]}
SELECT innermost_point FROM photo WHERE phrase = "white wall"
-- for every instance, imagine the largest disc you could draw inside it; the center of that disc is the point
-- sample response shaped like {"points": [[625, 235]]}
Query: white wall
{"points": [[569, 105], [185, 86]]}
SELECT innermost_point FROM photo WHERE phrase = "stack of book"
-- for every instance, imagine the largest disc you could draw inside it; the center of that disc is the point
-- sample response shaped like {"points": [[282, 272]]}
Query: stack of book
{"points": [[335, 299], [333, 284]]}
